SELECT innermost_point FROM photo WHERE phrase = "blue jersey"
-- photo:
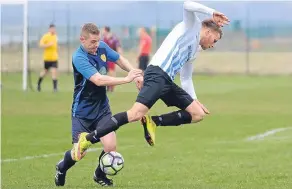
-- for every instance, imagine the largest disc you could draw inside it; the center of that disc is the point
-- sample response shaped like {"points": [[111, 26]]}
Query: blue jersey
{"points": [[89, 100]]}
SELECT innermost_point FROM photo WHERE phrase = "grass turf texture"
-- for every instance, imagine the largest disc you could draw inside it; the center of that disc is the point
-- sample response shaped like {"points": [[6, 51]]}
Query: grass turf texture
{"points": [[213, 154]]}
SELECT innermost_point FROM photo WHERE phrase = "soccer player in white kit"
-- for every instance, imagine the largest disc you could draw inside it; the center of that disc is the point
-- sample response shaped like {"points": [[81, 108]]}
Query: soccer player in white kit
{"points": [[173, 56]]}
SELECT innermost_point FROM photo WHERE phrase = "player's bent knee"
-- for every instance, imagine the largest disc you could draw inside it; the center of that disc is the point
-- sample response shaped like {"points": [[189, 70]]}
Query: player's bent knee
{"points": [[198, 117], [196, 112], [137, 112], [135, 115]]}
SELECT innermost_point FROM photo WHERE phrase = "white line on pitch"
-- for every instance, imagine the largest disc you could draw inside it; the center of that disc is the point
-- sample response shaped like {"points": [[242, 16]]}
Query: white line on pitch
{"points": [[268, 133], [51, 155]]}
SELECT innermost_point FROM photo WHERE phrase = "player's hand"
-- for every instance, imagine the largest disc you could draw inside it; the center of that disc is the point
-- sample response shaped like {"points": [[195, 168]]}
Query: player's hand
{"points": [[203, 107], [134, 73], [139, 82], [220, 18]]}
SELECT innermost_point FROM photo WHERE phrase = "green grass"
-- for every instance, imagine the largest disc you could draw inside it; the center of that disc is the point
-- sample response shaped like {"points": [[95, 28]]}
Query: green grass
{"points": [[213, 154]]}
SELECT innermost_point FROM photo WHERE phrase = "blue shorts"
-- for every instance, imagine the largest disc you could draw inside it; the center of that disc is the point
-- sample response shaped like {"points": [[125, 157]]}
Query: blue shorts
{"points": [[80, 125]]}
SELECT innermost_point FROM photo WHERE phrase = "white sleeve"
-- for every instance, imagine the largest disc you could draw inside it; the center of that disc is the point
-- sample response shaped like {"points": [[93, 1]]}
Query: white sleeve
{"points": [[190, 10], [186, 79]]}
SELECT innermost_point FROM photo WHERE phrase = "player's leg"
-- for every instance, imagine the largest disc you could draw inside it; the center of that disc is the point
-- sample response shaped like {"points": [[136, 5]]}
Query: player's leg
{"points": [[63, 166], [42, 75], [137, 111], [140, 66], [54, 71], [153, 86], [109, 143], [190, 111], [146, 61], [192, 114], [143, 62], [69, 160], [112, 73]]}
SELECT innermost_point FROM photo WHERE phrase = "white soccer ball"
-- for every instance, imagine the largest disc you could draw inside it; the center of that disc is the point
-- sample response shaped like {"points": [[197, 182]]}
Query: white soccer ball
{"points": [[111, 163]]}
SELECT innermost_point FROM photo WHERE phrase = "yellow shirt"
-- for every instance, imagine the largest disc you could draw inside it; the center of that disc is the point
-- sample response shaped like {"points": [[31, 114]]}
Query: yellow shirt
{"points": [[50, 53]]}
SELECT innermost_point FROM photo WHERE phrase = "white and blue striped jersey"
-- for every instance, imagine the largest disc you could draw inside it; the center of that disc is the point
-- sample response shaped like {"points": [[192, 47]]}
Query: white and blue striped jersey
{"points": [[182, 43], [178, 48]]}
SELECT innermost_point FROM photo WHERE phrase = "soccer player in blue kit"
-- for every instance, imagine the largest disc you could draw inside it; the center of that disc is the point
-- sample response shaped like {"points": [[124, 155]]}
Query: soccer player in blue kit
{"points": [[90, 107]]}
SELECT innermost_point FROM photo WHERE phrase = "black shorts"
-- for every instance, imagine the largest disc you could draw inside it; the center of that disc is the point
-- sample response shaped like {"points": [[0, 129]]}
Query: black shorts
{"points": [[158, 85], [80, 125], [143, 62], [50, 64]]}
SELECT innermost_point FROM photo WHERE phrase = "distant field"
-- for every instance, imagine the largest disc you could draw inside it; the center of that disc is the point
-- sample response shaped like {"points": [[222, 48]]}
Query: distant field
{"points": [[214, 154], [207, 62]]}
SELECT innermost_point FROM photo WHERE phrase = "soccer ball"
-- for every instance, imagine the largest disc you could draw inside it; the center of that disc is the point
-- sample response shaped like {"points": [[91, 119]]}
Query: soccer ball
{"points": [[111, 163]]}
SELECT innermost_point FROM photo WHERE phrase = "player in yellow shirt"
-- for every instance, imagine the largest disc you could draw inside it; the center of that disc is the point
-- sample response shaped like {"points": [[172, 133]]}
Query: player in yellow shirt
{"points": [[49, 43]]}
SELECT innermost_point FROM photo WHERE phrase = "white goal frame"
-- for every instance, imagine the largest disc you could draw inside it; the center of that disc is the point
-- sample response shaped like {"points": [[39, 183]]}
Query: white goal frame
{"points": [[25, 36]]}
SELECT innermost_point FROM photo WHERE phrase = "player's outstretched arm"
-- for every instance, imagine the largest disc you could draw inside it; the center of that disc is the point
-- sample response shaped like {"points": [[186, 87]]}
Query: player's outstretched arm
{"points": [[104, 80], [81, 63], [195, 7], [191, 8], [123, 63]]}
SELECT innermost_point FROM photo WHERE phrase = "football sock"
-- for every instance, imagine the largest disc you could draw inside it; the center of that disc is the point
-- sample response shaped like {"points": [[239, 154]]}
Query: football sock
{"points": [[98, 170], [111, 125], [173, 119], [55, 84], [40, 81], [67, 162]]}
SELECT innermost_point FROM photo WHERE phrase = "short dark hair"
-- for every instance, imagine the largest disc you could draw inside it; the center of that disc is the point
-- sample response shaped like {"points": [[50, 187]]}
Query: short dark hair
{"points": [[52, 26], [210, 23], [107, 28], [89, 28]]}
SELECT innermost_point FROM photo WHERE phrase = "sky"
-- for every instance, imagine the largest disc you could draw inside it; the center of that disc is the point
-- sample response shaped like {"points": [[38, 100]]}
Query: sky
{"points": [[147, 13]]}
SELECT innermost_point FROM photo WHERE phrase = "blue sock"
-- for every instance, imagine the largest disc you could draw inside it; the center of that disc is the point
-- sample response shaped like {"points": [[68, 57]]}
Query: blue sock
{"points": [[67, 162]]}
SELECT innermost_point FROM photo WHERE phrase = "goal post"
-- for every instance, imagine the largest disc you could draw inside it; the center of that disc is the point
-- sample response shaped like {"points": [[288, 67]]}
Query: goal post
{"points": [[24, 39]]}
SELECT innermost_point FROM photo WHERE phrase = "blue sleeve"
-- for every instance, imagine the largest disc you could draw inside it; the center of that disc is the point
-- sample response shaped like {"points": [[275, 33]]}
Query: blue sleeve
{"points": [[112, 55], [83, 66]]}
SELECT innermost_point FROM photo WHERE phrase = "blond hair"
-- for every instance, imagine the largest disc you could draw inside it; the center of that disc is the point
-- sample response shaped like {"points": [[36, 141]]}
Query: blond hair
{"points": [[210, 23], [89, 28]]}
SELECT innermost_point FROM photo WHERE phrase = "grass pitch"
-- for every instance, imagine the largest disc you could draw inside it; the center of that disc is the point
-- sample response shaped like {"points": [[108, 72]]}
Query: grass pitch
{"points": [[213, 154]]}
